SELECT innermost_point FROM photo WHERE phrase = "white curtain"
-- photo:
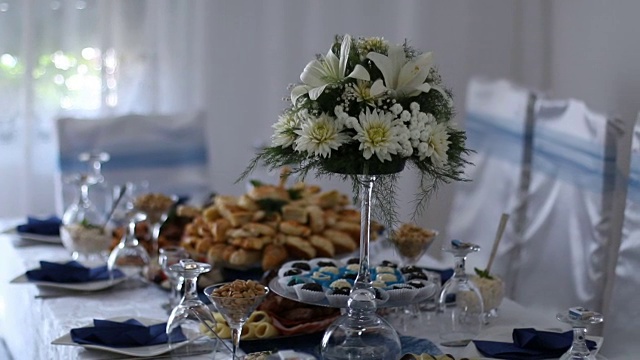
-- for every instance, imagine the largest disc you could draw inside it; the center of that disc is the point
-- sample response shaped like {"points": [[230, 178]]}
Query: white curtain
{"points": [[83, 58], [234, 60]]}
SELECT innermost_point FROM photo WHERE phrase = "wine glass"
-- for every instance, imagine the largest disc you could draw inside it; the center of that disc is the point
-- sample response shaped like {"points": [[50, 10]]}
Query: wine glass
{"points": [[84, 230], [460, 304], [235, 301], [99, 192], [170, 255], [579, 323], [156, 206], [191, 314], [129, 256], [411, 243]]}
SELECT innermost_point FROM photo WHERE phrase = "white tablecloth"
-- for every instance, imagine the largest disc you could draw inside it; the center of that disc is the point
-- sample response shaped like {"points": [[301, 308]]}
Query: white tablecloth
{"points": [[28, 325]]}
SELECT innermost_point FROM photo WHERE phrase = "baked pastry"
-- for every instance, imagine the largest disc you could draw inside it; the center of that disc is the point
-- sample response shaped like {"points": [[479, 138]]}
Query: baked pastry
{"points": [[341, 240], [299, 247], [323, 246], [273, 256], [294, 228]]}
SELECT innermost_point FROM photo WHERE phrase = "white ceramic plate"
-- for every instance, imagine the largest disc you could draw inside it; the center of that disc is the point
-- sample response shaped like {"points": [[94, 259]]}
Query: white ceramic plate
{"points": [[50, 239], [139, 351], [84, 286]]}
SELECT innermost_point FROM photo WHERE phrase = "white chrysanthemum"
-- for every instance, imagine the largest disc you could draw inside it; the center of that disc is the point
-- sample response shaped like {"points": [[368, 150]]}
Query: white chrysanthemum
{"points": [[285, 130], [437, 145], [362, 91], [319, 135], [377, 134]]}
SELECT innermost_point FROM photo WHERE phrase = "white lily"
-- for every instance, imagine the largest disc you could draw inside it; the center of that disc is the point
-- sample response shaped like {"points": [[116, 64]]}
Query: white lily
{"points": [[402, 77], [318, 74]]}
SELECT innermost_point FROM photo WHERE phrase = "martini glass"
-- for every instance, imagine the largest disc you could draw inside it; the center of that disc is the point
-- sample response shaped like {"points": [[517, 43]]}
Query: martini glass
{"points": [[236, 304], [460, 304], [411, 243], [578, 349]]}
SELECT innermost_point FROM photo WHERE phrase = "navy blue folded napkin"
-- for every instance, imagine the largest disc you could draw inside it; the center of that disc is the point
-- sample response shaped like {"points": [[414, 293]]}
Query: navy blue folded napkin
{"points": [[130, 333], [49, 226], [530, 344], [71, 272]]}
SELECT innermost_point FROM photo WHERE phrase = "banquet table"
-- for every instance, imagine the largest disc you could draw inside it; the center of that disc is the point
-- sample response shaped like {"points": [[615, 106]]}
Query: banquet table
{"points": [[29, 324]]}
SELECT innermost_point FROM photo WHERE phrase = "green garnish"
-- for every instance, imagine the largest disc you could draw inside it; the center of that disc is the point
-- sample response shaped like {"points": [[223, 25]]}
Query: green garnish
{"points": [[295, 194], [256, 183], [271, 205], [483, 273]]}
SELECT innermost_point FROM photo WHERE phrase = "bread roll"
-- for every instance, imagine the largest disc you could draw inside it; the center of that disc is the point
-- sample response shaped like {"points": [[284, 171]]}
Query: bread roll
{"points": [[256, 229], [273, 256], [341, 240], [298, 247], [251, 243], [316, 219], [293, 212], [323, 246], [353, 229], [294, 228], [242, 257]]}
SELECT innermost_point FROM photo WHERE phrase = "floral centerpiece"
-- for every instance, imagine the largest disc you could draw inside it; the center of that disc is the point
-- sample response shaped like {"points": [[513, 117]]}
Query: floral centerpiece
{"points": [[370, 107]]}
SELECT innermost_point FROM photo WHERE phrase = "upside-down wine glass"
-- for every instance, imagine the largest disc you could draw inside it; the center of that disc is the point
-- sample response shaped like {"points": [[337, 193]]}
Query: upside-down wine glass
{"points": [[460, 305], [99, 192], [170, 255], [235, 310], [191, 314], [129, 256], [361, 333], [579, 349], [156, 206], [84, 231]]}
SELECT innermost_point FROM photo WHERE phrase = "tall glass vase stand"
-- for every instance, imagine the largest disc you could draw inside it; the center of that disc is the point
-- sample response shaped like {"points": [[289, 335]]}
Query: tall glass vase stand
{"points": [[360, 333]]}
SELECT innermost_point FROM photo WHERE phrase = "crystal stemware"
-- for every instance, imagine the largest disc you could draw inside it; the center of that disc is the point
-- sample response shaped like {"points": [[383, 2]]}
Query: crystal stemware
{"points": [[579, 322], [361, 333], [236, 301], [129, 256], [99, 192], [411, 243], [170, 255], [191, 314], [84, 231], [460, 304], [156, 206]]}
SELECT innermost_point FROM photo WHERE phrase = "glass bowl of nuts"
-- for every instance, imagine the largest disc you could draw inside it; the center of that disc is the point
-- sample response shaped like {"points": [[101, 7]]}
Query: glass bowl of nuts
{"points": [[235, 301], [411, 242]]}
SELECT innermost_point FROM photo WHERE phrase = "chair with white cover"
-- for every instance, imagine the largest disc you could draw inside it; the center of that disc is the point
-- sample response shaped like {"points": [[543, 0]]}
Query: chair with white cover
{"points": [[170, 152], [622, 314], [568, 229], [498, 125]]}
